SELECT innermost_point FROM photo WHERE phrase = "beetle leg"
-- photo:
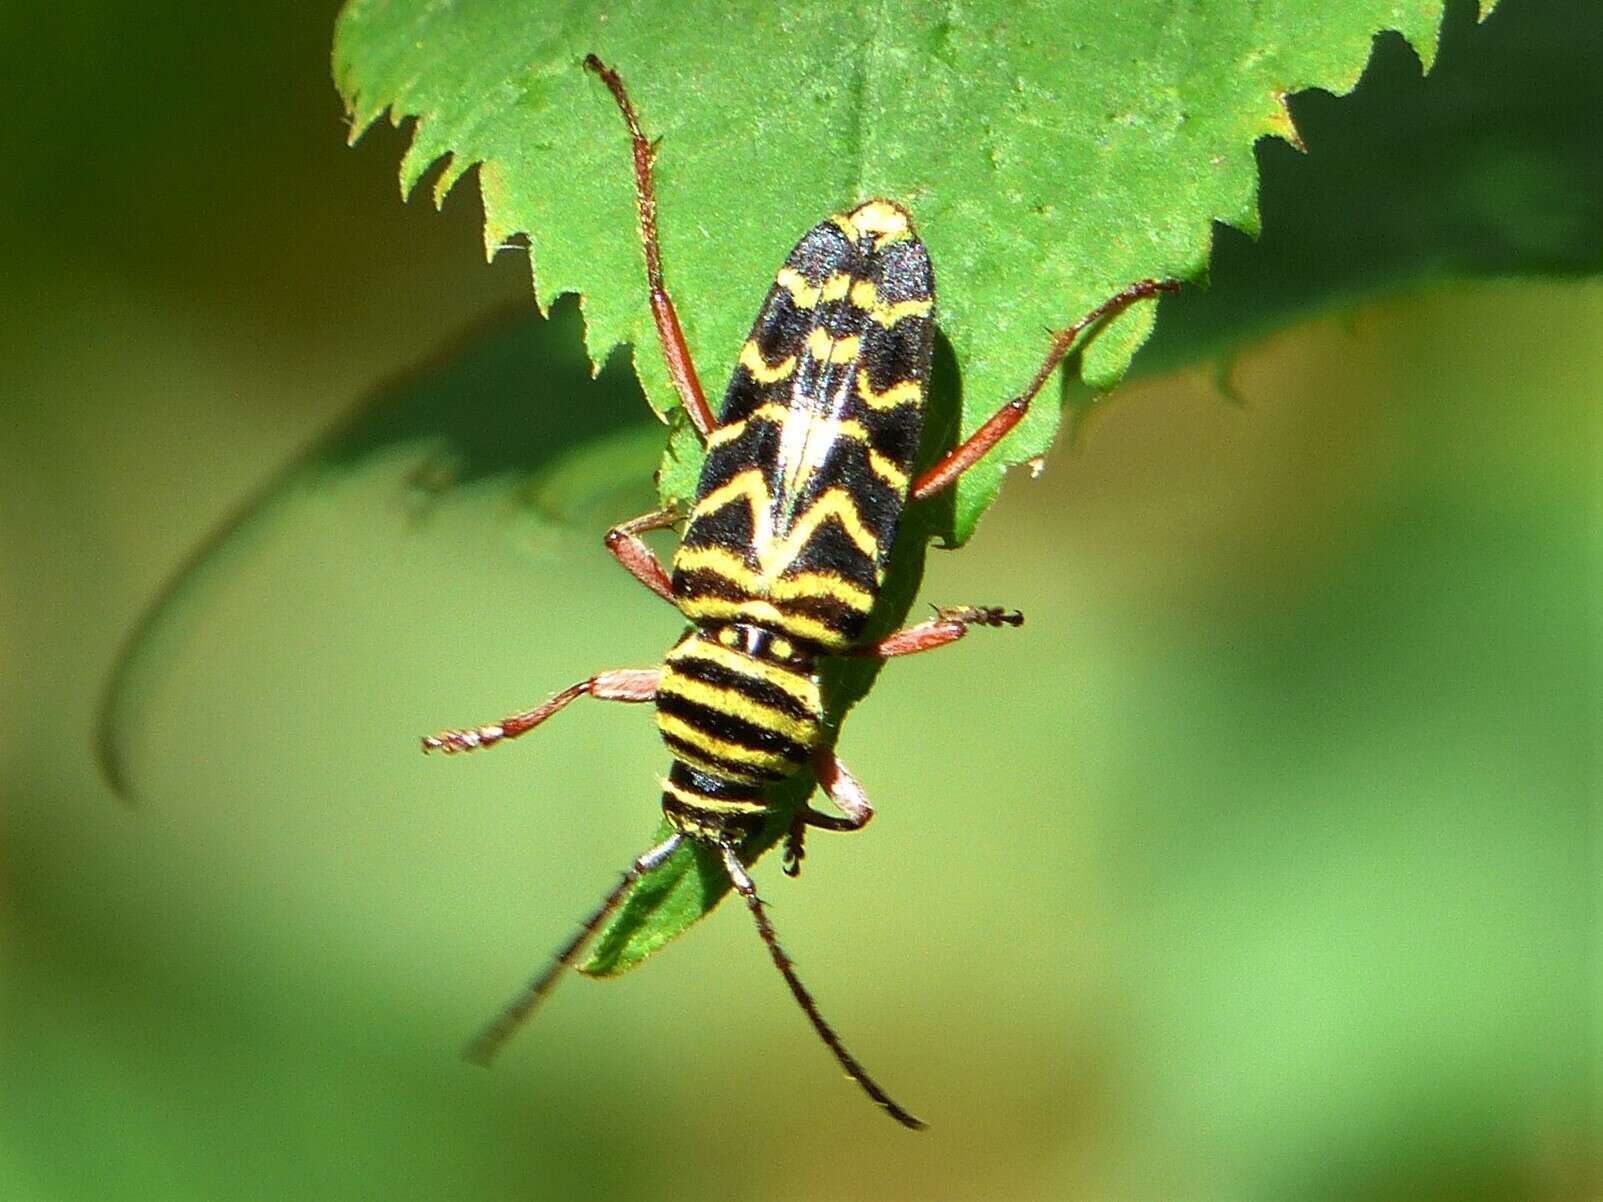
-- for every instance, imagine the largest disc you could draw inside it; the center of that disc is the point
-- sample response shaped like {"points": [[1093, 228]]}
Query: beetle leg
{"points": [[796, 841], [624, 684], [947, 626], [675, 353], [629, 549], [958, 460], [841, 787]]}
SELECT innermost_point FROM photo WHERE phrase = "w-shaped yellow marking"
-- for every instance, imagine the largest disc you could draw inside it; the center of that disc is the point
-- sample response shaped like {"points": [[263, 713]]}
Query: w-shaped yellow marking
{"points": [[748, 484], [903, 392], [887, 471], [721, 561], [887, 313], [776, 550], [768, 412], [733, 568], [752, 360], [833, 350], [807, 585], [804, 294]]}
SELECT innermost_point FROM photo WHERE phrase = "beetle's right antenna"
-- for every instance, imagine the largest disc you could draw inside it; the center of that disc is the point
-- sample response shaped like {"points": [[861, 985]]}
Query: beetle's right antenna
{"points": [[747, 889]]}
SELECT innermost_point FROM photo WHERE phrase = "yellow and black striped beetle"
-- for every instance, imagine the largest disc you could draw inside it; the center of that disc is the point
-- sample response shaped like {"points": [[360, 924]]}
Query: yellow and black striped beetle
{"points": [[808, 469]]}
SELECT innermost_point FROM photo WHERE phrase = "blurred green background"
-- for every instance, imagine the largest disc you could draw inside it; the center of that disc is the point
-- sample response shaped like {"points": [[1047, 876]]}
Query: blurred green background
{"points": [[1260, 864]]}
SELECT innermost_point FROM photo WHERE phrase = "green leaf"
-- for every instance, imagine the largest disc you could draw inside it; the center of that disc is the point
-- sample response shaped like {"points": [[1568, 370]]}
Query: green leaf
{"points": [[1485, 167], [1049, 158], [673, 896], [1050, 153]]}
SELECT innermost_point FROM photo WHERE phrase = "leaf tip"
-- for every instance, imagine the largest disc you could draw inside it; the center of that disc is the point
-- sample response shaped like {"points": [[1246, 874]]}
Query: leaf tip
{"points": [[420, 157], [456, 166], [360, 116], [1282, 125]]}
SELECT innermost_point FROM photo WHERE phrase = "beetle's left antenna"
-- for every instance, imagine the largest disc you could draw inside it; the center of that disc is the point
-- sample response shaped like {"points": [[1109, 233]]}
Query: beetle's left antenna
{"points": [[488, 1041]]}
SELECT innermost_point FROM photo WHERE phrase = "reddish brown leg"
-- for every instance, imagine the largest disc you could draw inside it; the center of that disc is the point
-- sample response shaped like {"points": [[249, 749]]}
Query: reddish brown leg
{"points": [[630, 550], [625, 684], [681, 370], [841, 787], [961, 458], [947, 626]]}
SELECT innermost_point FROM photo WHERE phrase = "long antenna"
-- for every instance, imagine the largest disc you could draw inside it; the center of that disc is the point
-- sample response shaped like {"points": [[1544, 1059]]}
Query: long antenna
{"points": [[747, 889], [488, 1041]]}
